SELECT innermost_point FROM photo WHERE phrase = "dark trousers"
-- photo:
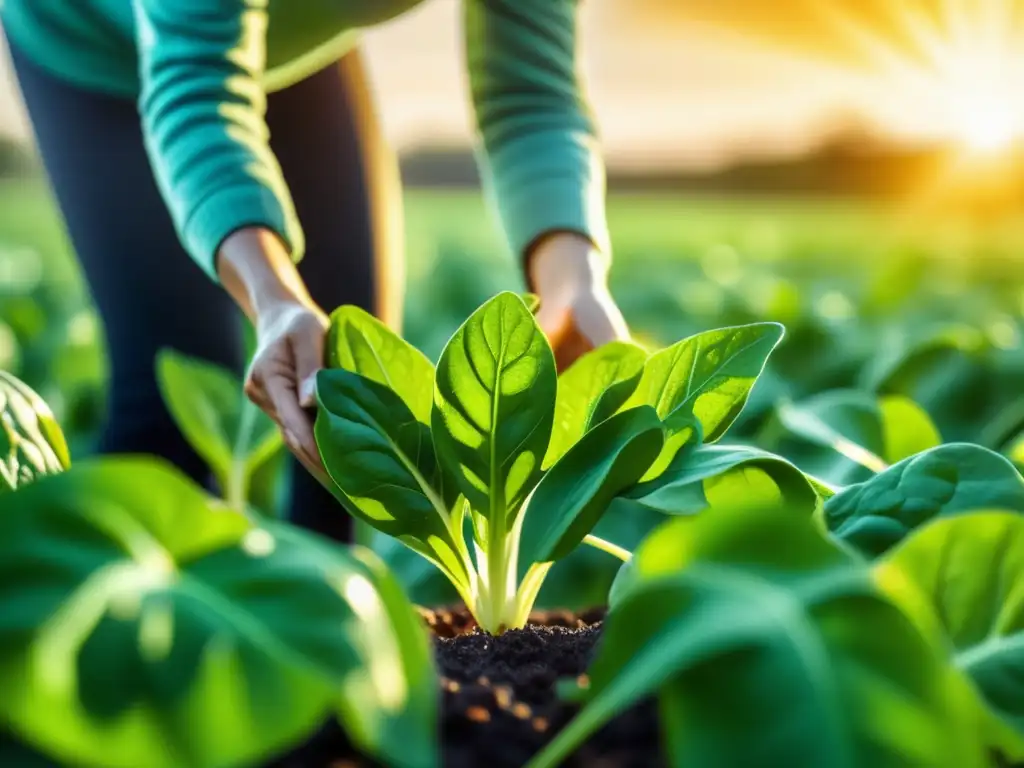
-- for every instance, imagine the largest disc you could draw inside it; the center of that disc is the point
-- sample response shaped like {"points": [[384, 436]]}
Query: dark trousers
{"points": [[150, 294]]}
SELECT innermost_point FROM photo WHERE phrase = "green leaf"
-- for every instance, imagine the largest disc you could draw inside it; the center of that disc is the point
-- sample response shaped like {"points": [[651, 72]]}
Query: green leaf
{"points": [[389, 706], [872, 431], [494, 404], [970, 571], [718, 475], [207, 402], [591, 390], [576, 491], [359, 342], [765, 644], [907, 428], [824, 490], [143, 623], [408, 735], [32, 444], [709, 375], [929, 366], [947, 480], [381, 459]]}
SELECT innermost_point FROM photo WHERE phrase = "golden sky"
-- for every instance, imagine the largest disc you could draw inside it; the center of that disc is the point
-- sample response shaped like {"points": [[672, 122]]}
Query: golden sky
{"points": [[698, 81]]}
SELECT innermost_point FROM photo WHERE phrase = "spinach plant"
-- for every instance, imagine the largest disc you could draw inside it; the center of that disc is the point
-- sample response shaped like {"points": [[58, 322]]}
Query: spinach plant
{"points": [[945, 481], [236, 439], [766, 643], [847, 434], [492, 468], [142, 622], [968, 572]]}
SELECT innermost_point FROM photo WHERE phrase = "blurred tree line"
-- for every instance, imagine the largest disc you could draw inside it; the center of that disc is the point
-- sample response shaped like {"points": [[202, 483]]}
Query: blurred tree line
{"points": [[851, 160]]}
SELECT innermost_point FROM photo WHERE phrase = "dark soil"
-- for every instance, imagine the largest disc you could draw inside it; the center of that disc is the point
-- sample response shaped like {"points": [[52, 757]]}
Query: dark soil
{"points": [[499, 706]]}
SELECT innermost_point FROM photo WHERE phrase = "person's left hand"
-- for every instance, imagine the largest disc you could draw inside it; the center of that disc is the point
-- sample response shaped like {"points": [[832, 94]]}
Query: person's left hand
{"points": [[577, 312]]}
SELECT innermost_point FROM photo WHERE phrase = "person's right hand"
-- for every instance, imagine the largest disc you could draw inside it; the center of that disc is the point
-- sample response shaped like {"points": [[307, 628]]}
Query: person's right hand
{"points": [[282, 375], [256, 270]]}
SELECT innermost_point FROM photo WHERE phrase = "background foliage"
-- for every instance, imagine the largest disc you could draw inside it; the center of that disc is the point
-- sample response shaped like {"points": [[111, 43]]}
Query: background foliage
{"points": [[882, 312]]}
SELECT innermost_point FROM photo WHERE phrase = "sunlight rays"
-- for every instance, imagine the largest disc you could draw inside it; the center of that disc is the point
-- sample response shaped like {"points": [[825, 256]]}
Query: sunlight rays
{"points": [[958, 64], [951, 73], [941, 77]]}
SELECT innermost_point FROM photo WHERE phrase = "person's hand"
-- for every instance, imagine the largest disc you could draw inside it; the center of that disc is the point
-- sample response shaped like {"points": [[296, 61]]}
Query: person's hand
{"points": [[577, 312], [290, 330], [281, 379]]}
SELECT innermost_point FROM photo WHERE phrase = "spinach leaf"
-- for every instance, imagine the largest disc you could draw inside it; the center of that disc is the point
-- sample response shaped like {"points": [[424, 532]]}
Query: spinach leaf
{"points": [[383, 463], [577, 490], [155, 626], [706, 476], [591, 390], [958, 477], [494, 407], [233, 436], [709, 375], [360, 343], [750, 622], [874, 432], [969, 570]]}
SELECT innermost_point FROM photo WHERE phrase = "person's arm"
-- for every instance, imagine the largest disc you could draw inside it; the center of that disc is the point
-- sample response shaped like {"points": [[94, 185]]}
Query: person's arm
{"points": [[202, 107], [541, 163], [540, 159]]}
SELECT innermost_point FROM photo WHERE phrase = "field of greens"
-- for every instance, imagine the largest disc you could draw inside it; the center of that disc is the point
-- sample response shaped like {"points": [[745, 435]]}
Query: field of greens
{"points": [[795, 503]]}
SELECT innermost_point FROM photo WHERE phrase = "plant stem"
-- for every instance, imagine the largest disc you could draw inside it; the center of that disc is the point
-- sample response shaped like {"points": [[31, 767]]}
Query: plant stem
{"points": [[497, 583], [859, 454], [527, 593], [237, 490], [606, 546]]}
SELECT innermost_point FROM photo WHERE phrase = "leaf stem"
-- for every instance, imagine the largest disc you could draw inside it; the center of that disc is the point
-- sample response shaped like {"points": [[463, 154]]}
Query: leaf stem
{"points": [[527, 593], [497, 577], [606, 546], [859, 454], [237, 490]]}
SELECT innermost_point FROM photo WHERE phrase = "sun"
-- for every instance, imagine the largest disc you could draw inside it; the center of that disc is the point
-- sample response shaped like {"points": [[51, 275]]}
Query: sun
{"points": [[952, 70], [986, 128]]}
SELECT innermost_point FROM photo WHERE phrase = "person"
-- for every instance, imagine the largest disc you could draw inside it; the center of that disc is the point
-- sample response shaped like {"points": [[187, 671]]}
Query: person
{"points": [[241, 134]]}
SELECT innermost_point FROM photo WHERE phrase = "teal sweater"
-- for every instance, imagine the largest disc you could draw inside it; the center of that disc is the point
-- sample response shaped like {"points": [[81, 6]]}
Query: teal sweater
{"points": [[200, 71]]}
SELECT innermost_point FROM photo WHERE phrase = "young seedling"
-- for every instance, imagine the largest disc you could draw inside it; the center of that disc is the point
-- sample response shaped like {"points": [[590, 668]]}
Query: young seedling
{"points": [[233, 437], [489, 466]]}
